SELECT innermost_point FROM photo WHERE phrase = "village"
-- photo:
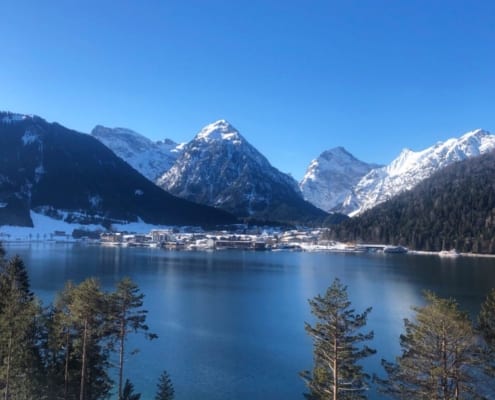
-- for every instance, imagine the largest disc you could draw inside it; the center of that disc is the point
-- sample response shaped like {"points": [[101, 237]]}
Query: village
{"points": [[241, 237], [244, 239]]}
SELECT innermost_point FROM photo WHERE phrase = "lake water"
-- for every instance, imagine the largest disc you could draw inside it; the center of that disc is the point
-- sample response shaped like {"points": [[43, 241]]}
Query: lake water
{"points": [[231, 323]]}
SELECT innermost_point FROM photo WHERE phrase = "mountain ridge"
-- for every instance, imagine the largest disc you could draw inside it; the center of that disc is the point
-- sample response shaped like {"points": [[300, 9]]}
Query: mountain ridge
{"points": [[70, 175], [411, 167], [150, 158], [451, 209]]}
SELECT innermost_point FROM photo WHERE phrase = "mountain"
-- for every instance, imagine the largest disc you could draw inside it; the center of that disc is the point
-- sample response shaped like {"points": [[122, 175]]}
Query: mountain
{"points": [[453, 208], [68, 175], [220, 168], [411, 167], [331, 178], [151, 159]]}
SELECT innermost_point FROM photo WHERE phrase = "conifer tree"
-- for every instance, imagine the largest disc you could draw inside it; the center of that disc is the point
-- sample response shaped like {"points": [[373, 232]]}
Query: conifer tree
{"points": [[128, 392], [439, 355], [165, 389], [19, 310], [127, 317], [337, 341], [61, 359], [89, 311]]}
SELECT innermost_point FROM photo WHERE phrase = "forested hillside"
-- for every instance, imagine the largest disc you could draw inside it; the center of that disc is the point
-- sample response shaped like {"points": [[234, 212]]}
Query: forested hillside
{"points": [[454, 208]]}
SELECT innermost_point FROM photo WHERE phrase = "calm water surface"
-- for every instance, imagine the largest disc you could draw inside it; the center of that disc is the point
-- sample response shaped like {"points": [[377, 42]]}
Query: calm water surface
{"points": [[231, 323]]}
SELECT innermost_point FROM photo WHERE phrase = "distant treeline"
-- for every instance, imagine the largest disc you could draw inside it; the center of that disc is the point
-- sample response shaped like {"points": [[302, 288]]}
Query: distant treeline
{"points": [[454, 208]]}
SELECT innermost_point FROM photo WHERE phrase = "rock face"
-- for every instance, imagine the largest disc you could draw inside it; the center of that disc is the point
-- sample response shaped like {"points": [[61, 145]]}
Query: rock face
{"points": [[331, 178], [220, 168], [411, 167], [151, 159], [72, 176]]}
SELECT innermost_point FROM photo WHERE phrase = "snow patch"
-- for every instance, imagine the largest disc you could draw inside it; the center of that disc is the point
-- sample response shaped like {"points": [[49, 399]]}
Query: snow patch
{"points": [[95, 200], [29, 138], [45, 228], [151, 159], [12, 118], [219, 130]]}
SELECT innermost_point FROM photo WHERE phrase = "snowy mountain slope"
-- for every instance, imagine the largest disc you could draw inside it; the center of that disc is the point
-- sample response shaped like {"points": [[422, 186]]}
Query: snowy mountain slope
{"points": [[411, 167], [331, 177], [151, 159], [220, 168], [64, 174]]}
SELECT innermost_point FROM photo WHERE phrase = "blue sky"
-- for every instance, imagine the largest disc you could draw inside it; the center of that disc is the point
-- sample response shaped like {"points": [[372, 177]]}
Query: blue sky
{"points": [[295, 77]]}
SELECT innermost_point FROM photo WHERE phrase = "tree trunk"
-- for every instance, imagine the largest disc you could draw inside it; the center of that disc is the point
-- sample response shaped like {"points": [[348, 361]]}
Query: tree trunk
{"points": [[335, 375], [83, 366], [66, 367], [9, 361], [121, 356]]}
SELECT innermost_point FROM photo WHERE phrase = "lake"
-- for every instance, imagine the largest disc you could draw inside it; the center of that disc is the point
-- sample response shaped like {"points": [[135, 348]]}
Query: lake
{"points": [[231, 323]]}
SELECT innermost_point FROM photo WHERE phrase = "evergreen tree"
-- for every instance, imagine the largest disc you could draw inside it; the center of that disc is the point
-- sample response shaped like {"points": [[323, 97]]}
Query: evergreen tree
{"points": [[61, 358], [337, 341], [127, 317], [89, 312], [128, 392], [19, 311], [486, 327], [439, 355], [486, 320], [165, 389]]}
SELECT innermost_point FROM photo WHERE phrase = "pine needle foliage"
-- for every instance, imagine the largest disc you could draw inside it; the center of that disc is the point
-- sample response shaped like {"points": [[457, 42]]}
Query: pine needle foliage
{"points": [[440, 355], [127, 316], [19, 312], [165, 388], [128, 392], [338, 347]]}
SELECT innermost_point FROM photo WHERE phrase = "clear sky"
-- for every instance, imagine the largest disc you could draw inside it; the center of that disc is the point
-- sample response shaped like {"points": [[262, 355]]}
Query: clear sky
{"points": [[294, 77]]}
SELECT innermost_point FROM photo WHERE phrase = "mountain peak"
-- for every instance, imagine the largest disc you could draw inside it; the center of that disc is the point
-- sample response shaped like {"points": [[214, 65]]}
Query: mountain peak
{"points": [[219, 130], [222, 169], [330, 177], [477, 133]]}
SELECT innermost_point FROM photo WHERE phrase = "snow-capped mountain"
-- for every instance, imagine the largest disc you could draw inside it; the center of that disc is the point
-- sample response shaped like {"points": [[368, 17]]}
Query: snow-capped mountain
{"points": [[331, 177], [411, 167], [220, 168], [71, 176], [151, 159]]}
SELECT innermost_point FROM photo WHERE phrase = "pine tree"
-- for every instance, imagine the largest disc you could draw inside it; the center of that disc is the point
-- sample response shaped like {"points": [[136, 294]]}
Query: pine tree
{"points": [[89, 313], [165, 389], [19, 311], [127, 317], [61, 358], [337, 341], [128, 392], [439, 355]]}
